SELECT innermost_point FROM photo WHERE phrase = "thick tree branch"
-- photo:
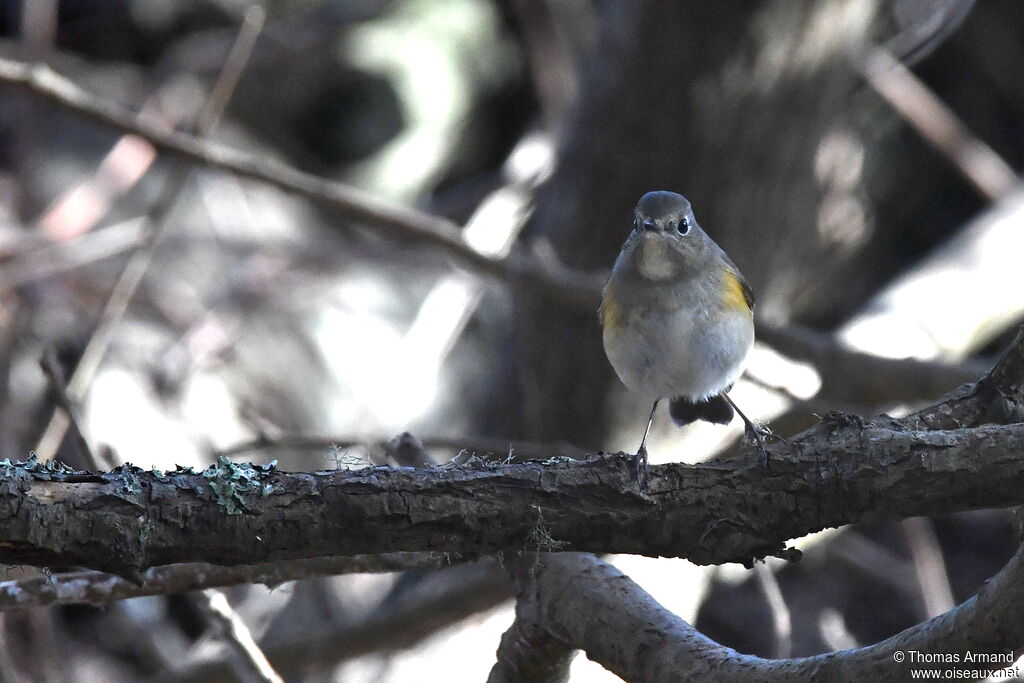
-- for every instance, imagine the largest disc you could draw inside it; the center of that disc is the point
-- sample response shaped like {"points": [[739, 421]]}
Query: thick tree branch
{"points": [[997, 398], [586, 603], [843, 472], [528, 652]]}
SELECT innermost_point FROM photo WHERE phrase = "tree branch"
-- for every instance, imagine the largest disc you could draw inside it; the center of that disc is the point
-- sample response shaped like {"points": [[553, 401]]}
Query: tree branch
{"points": [[557, 281], [586, 603], [251, 663], [97, 588], [372, 212], [448, 596], [997, 398], [851, 377], [732, 510], [129, 520], [528, 651], [131, 276]]}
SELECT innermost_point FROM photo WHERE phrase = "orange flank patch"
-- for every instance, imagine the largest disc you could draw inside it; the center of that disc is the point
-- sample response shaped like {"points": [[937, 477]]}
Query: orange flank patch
{"points": [[611, 313], [734, 294]]}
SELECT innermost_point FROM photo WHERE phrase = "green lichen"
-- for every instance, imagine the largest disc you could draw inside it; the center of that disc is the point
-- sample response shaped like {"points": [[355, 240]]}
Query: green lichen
{"points": [[50, 469], [231, 481], [127, 478], [146, 531]]}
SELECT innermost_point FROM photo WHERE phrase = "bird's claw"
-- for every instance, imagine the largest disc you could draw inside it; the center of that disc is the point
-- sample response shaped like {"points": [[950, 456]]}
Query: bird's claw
{"points": [[757, 435], [641, 467]]}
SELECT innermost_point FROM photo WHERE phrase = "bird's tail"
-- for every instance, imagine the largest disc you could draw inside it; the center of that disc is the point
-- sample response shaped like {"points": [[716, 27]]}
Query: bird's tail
{"points": [[714, 409]]}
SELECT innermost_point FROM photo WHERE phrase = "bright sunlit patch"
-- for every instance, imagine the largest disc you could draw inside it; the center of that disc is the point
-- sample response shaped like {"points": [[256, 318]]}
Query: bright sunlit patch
{"points": [[773, 369], [434, 54], [210, 409], [362, 293], [842, 221], [962, 295], [676, 584], [124, 414], [391, 377], [429, 337], [461, 653], [533, 157], [493, 225], [358, 349]]}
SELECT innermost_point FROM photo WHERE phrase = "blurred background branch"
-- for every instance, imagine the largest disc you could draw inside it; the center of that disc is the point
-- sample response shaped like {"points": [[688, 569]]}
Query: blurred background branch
{"points": [[857, 159]]}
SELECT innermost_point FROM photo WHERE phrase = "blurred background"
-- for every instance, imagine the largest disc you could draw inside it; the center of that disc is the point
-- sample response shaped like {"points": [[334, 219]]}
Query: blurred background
{"points": [[857, 160]]}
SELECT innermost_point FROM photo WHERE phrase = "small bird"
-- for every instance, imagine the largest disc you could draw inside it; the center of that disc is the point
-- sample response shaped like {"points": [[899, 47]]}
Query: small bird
{"points": [[678, 318]]}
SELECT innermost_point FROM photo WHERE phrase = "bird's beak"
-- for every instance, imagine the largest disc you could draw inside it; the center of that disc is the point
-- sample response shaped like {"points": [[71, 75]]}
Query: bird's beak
{"points": [[650, 226]]}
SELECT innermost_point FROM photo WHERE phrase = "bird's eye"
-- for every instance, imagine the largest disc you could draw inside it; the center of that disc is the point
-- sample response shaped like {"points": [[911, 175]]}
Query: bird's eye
{"points": [[684, 225]]}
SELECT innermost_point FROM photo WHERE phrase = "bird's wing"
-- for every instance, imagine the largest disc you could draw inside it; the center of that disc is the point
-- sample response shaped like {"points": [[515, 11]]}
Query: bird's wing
{"points": [[748, 293]]}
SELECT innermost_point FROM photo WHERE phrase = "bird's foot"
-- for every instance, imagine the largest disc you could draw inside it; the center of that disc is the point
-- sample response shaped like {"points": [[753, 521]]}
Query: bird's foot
{"points": [[641, 467], [757, 435]]}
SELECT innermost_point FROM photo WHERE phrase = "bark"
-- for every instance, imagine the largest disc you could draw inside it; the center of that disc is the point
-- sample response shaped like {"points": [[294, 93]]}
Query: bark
{"points": [[586, 603], [843, 472], [528, 653], [98, 588]]}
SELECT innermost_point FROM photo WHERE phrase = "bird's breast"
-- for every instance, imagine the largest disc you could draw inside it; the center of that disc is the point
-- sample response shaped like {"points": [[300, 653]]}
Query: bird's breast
{"points": [[688, 350]]}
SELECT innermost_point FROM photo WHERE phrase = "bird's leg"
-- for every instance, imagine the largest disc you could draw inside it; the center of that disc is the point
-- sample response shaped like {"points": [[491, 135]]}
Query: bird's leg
{"points": [[641, 453], [752, 431]]}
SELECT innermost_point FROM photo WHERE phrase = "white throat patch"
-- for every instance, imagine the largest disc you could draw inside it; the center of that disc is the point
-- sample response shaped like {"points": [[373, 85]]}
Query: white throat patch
{"points": [[655, 260]]}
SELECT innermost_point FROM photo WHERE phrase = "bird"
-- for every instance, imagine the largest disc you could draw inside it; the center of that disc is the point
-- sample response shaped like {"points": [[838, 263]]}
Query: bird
{"points": [[677, 318]]}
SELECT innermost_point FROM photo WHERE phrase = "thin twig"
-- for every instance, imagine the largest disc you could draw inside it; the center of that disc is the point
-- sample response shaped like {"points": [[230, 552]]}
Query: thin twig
{"points": [[55, 374], [556, 280], [57, 257], [124, 289], [99, 588], [929, 566], [79, 208], [38, 26], [252, 664], [937, 124], [443, 599], [357, 205], [41, 80], [782, 623]]}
